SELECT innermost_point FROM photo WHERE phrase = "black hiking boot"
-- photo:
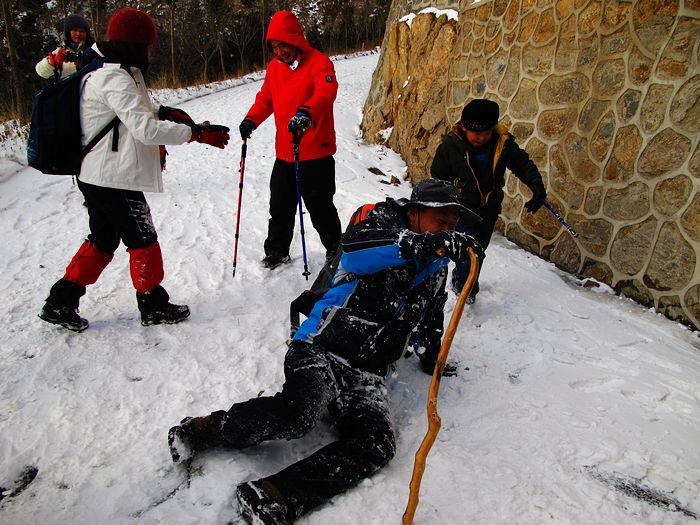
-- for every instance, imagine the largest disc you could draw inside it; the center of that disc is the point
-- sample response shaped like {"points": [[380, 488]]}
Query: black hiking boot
{"points": [[260, 503], [155, 308], [194, 434], [65, 316], [272, 261], [168, 314]]}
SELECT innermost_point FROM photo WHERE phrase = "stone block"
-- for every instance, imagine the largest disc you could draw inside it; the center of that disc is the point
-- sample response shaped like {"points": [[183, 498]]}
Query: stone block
{"points": [[671, 195], [522, 130], [609, 77], [564, 9], [566, 253], [690, 220], [677, 55], [692, 303], [562, 182], [524, 104], [652, 21], [664, 153], [495, 68], [631, 246], [528, 24], [537, 61], [603, 136], [635, 290], [620, 166], [593, 234], [597, 270], [512, 76], [685, 108], [654, 106], [616, 43], [546, 28], [615, 14], [672, 262], [588, 53], [628, 203], [639, 67], [594, 200], [628, 105], [694, 162], [567, 49], [590, 18], [590, 115], [564, 90], [553, 124], [576, 149]]}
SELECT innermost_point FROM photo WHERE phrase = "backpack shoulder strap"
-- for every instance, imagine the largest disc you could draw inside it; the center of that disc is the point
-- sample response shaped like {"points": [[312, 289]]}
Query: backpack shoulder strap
{"points": [[114, 123]]}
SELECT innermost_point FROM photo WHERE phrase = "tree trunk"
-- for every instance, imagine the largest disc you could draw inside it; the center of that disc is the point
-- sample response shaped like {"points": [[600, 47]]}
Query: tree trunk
{"points": [[221, 60], [17, 103], [173, 73]]}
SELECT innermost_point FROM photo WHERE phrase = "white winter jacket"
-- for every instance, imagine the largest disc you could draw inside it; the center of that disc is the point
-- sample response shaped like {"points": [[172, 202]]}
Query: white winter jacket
{"points": [[111, 91], [44, 68]]}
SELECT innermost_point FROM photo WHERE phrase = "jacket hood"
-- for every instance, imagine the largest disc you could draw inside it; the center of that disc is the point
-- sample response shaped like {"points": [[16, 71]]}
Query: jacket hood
{"points": [[285, 27]]}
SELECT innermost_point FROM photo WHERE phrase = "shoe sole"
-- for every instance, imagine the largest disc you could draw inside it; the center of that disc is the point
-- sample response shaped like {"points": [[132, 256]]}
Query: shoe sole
{"points": [[273, 266], [67, 326], [163, 321]]}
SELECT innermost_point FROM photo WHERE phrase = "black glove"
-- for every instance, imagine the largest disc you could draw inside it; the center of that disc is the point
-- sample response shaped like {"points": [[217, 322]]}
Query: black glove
{"points": [[426, 246], [211, 134], [246, 128], [539, 195], [299, 122], [174, 115]]}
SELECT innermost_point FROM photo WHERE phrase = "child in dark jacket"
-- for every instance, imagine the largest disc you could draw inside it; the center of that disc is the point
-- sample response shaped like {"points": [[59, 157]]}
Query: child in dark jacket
{"points": [[474, 157]]}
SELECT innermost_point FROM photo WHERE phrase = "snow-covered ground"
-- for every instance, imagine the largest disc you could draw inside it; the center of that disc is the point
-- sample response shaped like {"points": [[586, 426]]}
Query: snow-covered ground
{"points": [[572, 405]]}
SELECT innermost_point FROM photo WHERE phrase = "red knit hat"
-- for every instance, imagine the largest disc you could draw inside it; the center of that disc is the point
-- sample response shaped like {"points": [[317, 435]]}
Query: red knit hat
{"points": [[132, 25]]}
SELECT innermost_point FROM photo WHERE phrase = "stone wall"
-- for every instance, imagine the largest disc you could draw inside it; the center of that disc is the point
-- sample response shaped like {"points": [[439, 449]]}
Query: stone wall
{"points": [[604, 95]]}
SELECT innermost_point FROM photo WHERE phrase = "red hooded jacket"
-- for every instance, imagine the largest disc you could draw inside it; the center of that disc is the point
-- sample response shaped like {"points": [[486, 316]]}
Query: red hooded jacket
{"points": [[311, 86]]}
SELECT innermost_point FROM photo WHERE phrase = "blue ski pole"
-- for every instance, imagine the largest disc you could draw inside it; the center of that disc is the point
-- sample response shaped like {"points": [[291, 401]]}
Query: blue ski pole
{"points": [[560, 219], [296, 139]]}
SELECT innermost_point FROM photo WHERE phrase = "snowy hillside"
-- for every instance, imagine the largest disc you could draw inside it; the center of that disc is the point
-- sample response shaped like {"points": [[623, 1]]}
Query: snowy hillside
{"points": [[572, 405]]}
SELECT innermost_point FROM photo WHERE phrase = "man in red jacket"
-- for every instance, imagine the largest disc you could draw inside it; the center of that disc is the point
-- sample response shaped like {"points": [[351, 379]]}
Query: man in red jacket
{"points": [[299, 88]]}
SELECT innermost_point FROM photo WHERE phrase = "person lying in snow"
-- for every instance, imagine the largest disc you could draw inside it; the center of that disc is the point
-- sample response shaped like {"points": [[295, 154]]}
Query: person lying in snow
{"points": [[388, 292]]}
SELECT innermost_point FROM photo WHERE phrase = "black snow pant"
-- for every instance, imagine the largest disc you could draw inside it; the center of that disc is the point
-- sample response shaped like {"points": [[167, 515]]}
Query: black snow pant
{"points": [[316, 381], [317, 189], [482, 232], [118, 215]]}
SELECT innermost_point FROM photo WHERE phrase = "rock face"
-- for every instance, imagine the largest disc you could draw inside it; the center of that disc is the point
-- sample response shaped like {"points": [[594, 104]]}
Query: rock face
{"points": [[604, 96]]}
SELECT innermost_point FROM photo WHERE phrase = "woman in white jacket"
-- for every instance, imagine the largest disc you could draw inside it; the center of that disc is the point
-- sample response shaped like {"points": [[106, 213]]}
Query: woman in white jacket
{"points": [[116, 172], [65, 59]]}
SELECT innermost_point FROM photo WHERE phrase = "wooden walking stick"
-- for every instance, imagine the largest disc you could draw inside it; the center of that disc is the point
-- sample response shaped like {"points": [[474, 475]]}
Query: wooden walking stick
{"points": [[433, 417]]}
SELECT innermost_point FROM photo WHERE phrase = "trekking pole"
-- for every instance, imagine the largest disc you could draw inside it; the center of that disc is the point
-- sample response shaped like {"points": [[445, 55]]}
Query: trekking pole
{"points": [[244, 150], [433, 416], [296, 139], [560, 219]]}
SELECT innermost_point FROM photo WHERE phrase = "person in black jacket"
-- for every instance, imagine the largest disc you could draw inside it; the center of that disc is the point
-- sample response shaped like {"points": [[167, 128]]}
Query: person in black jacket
{"points": [[388, 292], [474, 157]]}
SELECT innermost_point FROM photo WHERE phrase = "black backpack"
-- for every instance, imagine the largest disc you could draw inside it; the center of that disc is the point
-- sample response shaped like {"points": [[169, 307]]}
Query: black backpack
{"points": [[324, 281], [54, 144]]}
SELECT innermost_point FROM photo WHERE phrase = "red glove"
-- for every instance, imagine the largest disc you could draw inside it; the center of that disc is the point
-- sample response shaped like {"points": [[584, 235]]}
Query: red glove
{"points": [[211, 134], [163, 154], [57, 58]]}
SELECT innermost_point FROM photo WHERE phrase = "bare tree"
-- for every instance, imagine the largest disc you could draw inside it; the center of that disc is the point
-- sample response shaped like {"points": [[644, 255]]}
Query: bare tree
{"points": [[18, 97]]}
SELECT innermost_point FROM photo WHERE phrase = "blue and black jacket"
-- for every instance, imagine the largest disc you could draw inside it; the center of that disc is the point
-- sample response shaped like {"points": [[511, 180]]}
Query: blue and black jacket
{"points": [[383, 297]]}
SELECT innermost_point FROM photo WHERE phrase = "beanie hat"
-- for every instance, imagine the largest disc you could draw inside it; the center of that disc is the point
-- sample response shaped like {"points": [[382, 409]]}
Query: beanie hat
{"points": [[480, 115], [131, 25], [73, 21]]}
